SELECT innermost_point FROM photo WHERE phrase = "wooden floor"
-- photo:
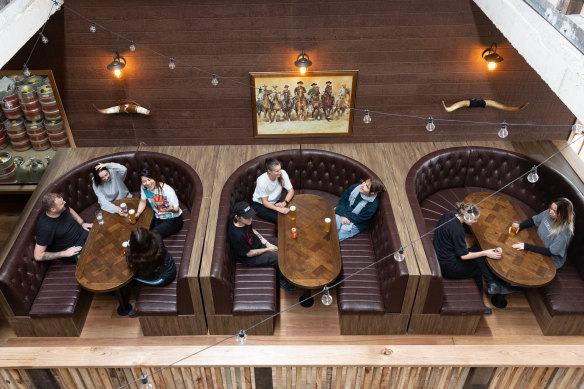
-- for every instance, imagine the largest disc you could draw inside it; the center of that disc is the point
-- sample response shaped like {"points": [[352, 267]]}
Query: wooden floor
{"points": [[318, 325]]}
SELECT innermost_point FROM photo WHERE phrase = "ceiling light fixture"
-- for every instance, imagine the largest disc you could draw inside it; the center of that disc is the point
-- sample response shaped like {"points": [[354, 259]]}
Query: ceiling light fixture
{"points": [[117, 64], [303, 62], [490, 55]]}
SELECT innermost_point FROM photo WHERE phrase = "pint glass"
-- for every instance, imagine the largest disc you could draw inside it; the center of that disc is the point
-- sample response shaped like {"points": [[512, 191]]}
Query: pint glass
{"points": [[132, 216], [327, 224], [292, 213], [514, 228]]}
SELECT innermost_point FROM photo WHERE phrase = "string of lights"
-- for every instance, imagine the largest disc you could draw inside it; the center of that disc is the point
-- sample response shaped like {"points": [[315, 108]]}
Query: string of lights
{"points": [[398, 255]]}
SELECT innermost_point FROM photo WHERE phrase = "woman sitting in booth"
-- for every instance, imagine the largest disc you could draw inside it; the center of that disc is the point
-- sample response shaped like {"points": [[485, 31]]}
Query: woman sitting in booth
{"points": [[108, 184], [149, 258], [356, 207], [162, 198]]}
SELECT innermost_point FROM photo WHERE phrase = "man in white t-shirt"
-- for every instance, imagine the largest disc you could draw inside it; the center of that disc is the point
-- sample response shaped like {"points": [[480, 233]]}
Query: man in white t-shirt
{"points": [[267, 197]]}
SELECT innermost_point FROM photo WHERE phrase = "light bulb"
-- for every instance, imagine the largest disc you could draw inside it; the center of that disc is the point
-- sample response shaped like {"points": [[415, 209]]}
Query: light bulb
{"points": [[469, 216], [44, 39], [302, 70], [118, 73], [241, 337], [171, 64], [132, 46], [430, 126], [492, 65], [533, 176], [399, 256], [326, 298], [7, 104], [503, 131], [25, 70], [214, 80], [92, 27], [144, 382], [366, 118], [577, 128]]}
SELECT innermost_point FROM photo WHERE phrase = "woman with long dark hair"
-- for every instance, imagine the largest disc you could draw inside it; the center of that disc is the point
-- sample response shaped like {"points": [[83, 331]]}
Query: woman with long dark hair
{"points": [[108, 184], [267, 196], [162, 198], [149, 258]]}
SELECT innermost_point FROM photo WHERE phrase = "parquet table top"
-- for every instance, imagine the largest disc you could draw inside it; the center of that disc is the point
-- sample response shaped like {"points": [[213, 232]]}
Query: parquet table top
{"points": [[521, 268], [313, 259], [102, 264]]}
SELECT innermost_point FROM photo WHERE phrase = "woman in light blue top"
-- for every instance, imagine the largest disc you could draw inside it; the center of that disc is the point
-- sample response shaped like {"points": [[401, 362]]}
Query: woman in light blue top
{"points": [[108, 185]]}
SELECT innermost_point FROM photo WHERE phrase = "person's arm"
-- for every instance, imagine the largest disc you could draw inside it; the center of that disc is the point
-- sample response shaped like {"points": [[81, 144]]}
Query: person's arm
{"points": [[41, 253], [526, 224], [343, 204], [119, 169], [290, 190], [485, 253], [288, 198], [82, 223], [269, 205], [141, 207], [537, 249], [104, 203], [366, 213]]}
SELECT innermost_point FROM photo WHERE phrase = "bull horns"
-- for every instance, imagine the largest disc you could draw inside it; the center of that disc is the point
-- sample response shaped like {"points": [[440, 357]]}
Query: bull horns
{"points": [[124, 106], [481, 103]]}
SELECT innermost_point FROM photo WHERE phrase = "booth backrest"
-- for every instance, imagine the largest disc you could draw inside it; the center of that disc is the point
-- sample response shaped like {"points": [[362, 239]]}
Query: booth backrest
{"points": [[309, 170], [487, 168], [21, 276]]}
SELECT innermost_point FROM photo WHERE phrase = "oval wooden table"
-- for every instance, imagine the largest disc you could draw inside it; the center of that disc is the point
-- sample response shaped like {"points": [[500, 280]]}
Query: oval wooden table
{"points": [[520, 268], [313, 259], [102, 264]]}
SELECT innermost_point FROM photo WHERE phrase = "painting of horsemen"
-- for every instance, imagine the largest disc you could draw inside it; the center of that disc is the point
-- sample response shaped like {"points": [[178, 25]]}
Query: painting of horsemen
{"points": [[312, 104]]}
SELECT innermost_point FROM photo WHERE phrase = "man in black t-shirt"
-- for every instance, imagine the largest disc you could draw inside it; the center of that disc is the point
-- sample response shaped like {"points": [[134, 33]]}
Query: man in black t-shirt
{"points": [[250, 247], [61, 232]]}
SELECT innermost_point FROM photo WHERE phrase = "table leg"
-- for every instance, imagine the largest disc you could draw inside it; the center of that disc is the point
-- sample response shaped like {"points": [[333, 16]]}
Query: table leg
{"points": [[306, 296], [125, 307], [499, 300]]}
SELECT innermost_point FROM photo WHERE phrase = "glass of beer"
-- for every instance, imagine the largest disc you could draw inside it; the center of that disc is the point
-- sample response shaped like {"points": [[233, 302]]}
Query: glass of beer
{"points": [[292, 213], [327, 224], [514, 228], [132, 216]]}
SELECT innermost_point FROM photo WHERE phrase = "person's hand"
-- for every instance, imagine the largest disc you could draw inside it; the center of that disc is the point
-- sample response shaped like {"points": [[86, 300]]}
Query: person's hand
{"points": [[99, 166], [121, 212], [281, 204], [344, 220], [492, 254], [283, 211], [71, 251], [87, 226], [271, 247], [519, 246]]}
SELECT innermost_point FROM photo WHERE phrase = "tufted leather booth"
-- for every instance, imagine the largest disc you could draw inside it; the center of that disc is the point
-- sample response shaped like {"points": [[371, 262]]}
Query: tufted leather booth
{"points": [[379, 291], [444, 177], [48, 290]]}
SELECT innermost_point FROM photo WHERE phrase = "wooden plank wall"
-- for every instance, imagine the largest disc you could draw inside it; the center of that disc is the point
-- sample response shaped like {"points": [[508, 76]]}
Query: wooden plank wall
{"points": [[410, 56]]}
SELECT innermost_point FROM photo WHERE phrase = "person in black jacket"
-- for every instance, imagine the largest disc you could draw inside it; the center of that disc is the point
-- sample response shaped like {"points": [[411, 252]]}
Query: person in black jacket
{"points": [[356, 207]]}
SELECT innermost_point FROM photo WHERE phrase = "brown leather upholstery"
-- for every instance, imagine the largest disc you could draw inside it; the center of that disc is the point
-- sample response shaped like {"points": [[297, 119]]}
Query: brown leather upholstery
{"points": [[444, 177], [328, 175], [24, 281]]}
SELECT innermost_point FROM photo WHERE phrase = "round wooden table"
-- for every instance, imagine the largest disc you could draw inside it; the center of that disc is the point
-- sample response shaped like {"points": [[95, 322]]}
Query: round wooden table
{"points": [[102, 263], [313, 259]]}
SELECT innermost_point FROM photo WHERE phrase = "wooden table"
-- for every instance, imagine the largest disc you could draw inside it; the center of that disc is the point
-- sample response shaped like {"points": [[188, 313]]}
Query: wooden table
{"points": [[102, 264], [522, 268], [313, 259]]}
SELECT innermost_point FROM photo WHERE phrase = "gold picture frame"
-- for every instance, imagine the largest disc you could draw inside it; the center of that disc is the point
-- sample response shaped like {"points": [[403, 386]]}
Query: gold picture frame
{"points": [[291, 104]]}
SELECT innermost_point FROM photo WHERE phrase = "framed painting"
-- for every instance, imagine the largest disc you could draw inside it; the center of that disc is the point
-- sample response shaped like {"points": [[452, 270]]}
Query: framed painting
{"points": [[313, 104]]}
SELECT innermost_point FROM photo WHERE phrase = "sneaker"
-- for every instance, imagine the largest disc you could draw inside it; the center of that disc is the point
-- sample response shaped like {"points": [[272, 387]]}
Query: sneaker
{"points": [[288, 287], [488, 310], [494, 288]]}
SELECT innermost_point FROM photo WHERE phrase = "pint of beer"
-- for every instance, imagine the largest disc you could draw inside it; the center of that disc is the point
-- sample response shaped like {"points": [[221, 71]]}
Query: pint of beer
{"points": [[514, 228], [292, 213], [327, 224], [132, 216]]}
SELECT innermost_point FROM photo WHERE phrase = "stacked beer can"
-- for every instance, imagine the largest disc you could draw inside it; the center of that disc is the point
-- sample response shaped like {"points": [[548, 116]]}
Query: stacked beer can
{"points": [[3, 136], [25, 108]]}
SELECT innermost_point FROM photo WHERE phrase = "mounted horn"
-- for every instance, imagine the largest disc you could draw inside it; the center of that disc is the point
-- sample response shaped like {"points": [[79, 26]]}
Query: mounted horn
{"points": [[474, 103], [124, 106]]}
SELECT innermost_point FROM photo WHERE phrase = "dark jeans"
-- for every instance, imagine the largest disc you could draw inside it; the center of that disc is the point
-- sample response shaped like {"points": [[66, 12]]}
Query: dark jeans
{"points": [[470, 268], [79, 242], [269, 258], [167, 227], [265, 213]]}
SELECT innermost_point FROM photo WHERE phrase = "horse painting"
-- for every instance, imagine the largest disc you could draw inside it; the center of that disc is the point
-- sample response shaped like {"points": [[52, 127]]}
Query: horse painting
{"points": [[276, 107], [327, 102], [266, 106], [316, 106], [300, 107], [286, 105], [343, 105]]}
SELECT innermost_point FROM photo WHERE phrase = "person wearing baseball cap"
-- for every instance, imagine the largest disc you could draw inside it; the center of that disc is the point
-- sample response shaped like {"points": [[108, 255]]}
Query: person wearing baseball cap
{"points": [[250, 247]]}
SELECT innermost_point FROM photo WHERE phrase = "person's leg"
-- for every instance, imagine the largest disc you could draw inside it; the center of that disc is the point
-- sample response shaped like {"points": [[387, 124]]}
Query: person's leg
{"points": [[167, 227], [265, 213], [461, 269], [343, 233]]}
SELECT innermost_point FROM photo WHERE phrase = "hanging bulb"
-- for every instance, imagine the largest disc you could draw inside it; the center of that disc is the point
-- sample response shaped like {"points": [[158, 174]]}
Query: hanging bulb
{"points": [[577, 128], [241, 337], [7, 104], [366, 118], [171, 64], [92, 27], [44, 39], [132, 46], [326, 298], [469, 216], [25, 70], [533, 176], [399, 256], [214, 80], [430, 126], [144, 382], [503, 131]]}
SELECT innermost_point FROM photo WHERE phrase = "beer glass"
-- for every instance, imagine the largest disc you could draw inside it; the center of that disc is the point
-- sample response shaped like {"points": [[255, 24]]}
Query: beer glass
{"points": [[292, 213], [327, 224], [99, 217], [514, 228], [132, 216]]}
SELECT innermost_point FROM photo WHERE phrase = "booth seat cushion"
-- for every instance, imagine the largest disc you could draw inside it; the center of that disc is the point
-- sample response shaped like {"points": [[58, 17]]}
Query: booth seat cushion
{"points": [[461, 297], [360, 293], [255, 290], [59, 292], [565, 295]]}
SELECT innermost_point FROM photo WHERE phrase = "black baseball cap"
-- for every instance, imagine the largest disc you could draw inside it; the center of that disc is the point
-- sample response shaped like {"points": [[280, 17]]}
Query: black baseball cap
{"points": [[243, 209]]}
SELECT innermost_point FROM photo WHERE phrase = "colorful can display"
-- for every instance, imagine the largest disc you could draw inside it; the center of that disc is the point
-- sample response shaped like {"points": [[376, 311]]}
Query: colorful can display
{"points": [[39, 137], [9, 100], [35, 82], [31, 106], [49, 105], [19, 137], [13, 113], [40, 145], [34, 128], [14, 126], [21, 146], [52, 115], [57, 137], [53, 126], [35, 114], [26, 94]]}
